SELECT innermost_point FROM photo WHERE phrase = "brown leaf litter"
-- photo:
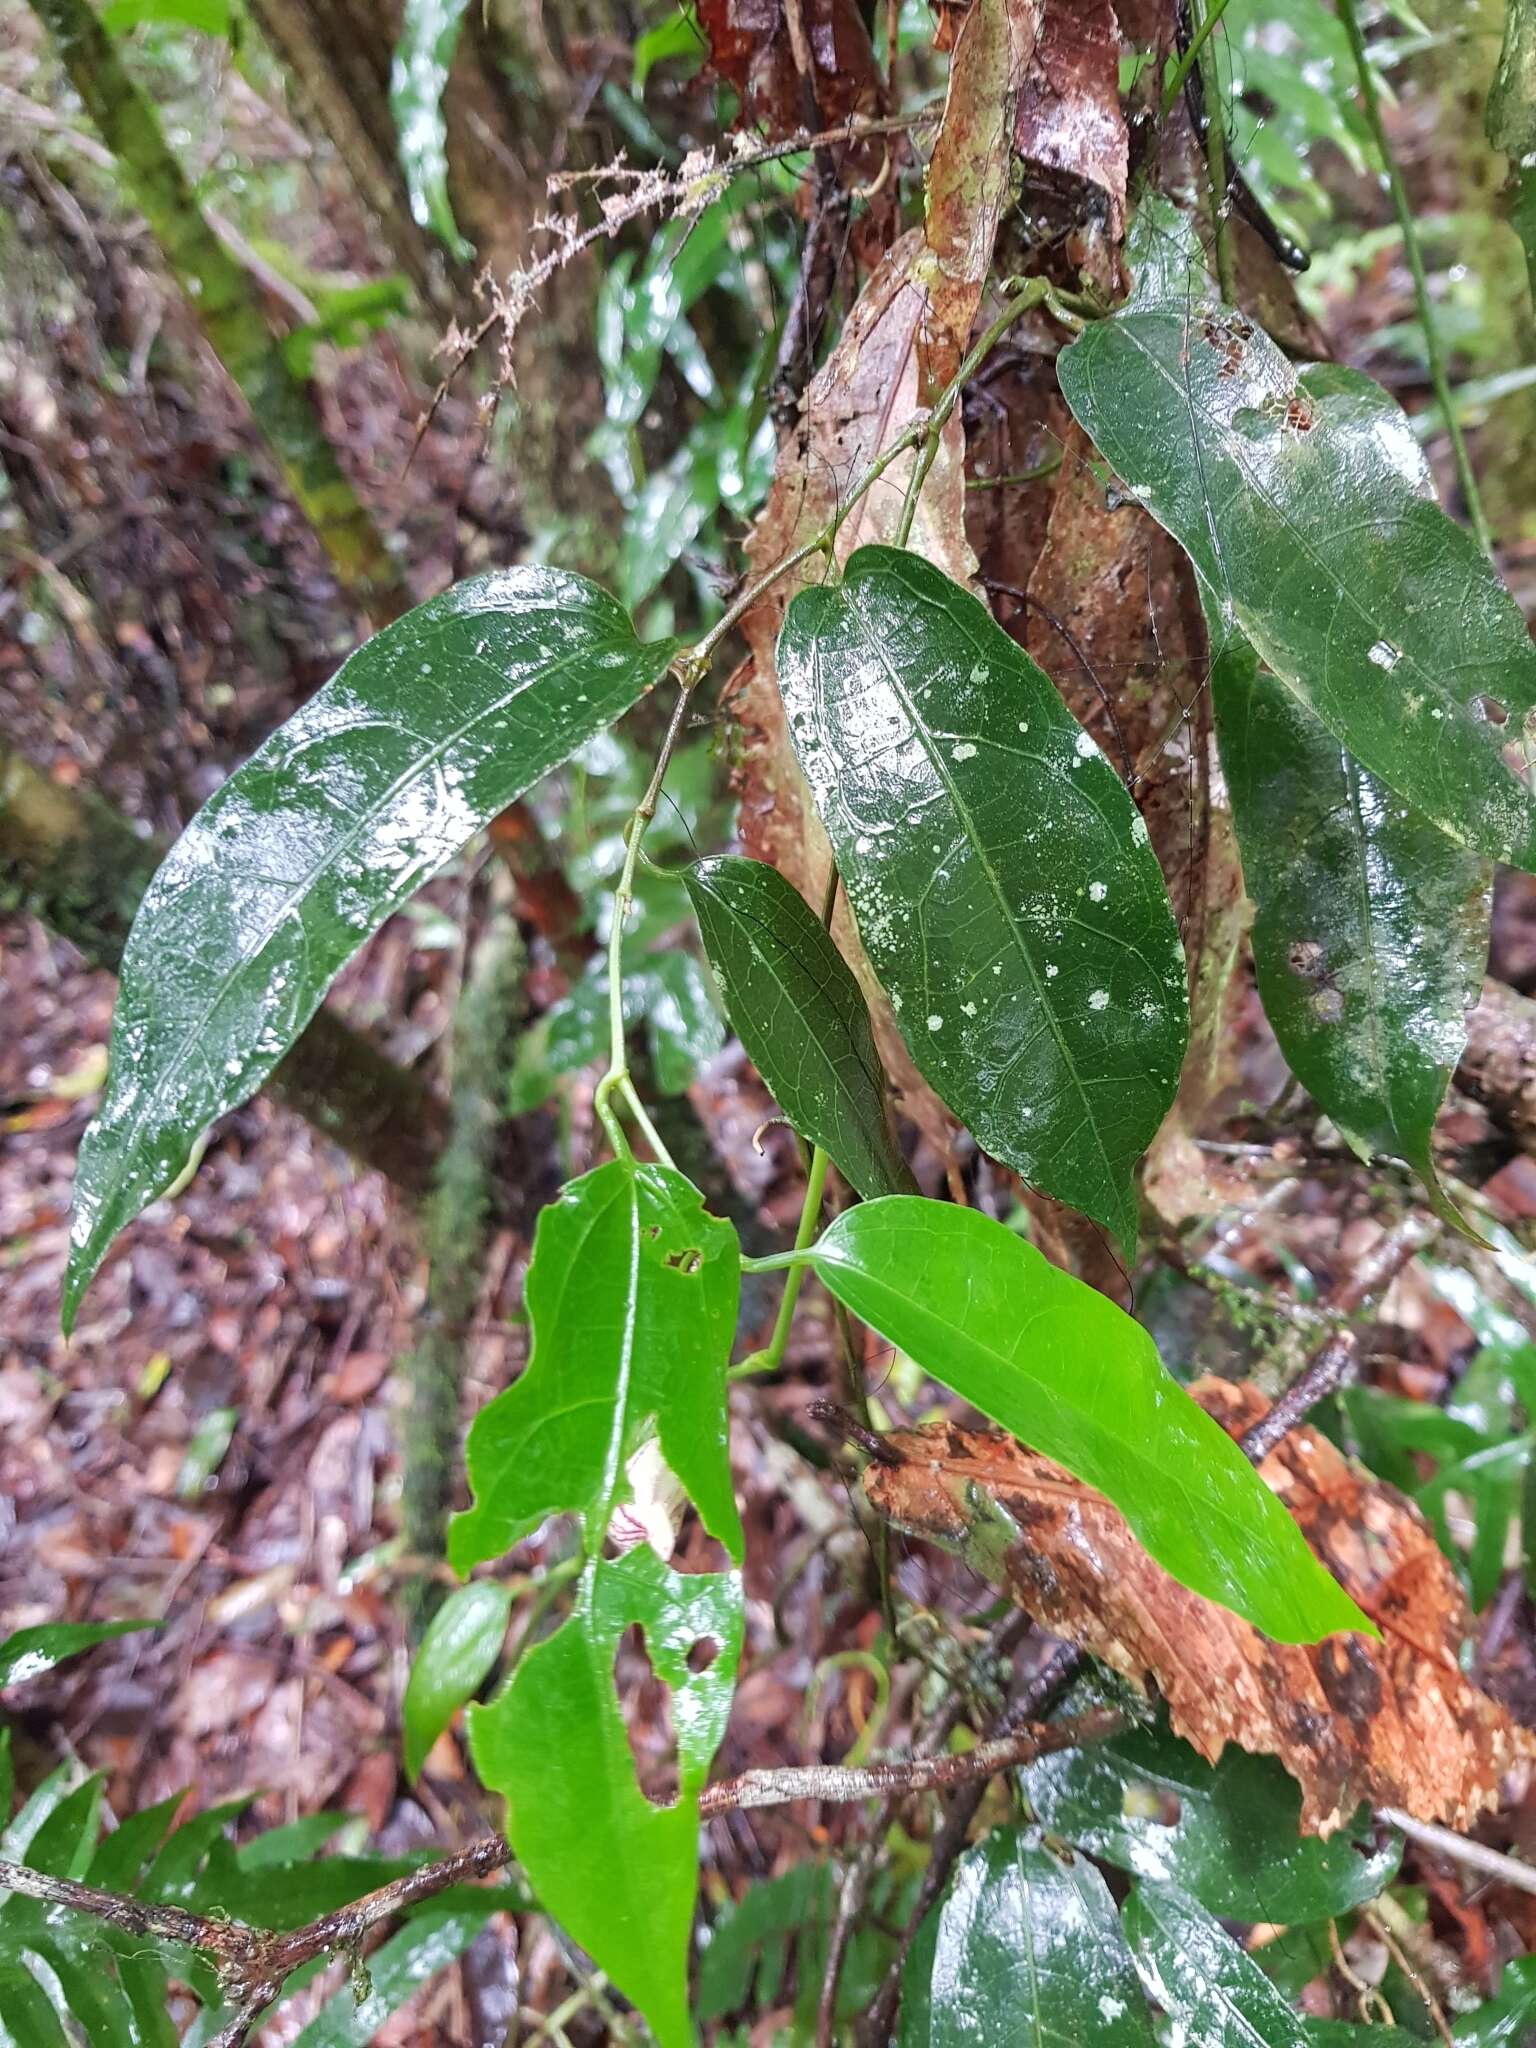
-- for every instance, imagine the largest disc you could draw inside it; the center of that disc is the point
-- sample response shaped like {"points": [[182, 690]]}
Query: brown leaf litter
{"points": [[1392, 1722]]}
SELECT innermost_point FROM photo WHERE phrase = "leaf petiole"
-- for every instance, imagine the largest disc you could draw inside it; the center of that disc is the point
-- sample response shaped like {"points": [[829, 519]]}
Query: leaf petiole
{"points": [[793, 1263]]}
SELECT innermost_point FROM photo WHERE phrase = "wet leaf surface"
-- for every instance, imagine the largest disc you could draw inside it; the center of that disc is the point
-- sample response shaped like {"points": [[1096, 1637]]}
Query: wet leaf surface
{"points": [[1211, 1990], [29, 1652], [1024, 1945], [1054, 1361], [1028, 948], [797, 1009], [631, 1296], [424, 734], [618, 1872], [1225, 1833], [429, 30], [1371, 934], [1391, 1721], [1297, 507]]}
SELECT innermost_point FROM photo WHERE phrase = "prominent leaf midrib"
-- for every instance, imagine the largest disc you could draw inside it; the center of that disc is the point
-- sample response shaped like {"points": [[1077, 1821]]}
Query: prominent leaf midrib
{"points": [[962, 810], [1232, 451], [614, 1451], [749, 925], [1049, 1394], [153, 1101]]}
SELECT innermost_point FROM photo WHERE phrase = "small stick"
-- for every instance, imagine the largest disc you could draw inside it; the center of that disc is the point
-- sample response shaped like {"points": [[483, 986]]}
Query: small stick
{"points": [[1489, 1863]]}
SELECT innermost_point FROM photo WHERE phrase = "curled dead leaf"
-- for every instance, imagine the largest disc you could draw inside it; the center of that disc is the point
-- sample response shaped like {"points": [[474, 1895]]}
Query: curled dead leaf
{"points": [[1387, 1723]]}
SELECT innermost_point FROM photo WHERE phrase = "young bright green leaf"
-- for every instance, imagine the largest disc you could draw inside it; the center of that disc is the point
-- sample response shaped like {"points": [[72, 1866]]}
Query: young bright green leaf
{"points": [[1023, 1946], [998, 872], [1372, 929], [1210, 1989], [429, 30], [617, 1871], [461, 1644], [29, 1652], [1069, 1373], [1228, 1834], [1309, 535], [797, 1009], [424, 734], [631, 1297]]}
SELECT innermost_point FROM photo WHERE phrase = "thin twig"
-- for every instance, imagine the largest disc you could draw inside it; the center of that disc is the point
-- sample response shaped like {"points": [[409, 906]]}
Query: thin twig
{"points": [[842, 1783], [1490, 1863]]}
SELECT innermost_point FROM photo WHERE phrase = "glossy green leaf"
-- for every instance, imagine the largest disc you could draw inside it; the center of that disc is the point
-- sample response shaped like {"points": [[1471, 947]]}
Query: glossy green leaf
{"points": [[1506, 2020], [1068, 1372], [619, 1872], [797, 1009], [1024, 1945], [429, 32], [429, 1941], [998, 872], [29, 1652], [461, 1644], [631, 1298], [1295, 504], [1210, 1989], [1228, 1834], [1371, 933], [428, 731]]}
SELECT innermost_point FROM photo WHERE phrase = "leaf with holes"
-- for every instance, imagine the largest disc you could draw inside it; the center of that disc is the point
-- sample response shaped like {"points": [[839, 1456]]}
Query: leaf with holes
{"points": [[424, 734], [798, 1011], [1226, 1833], [998, 872], [1070, 1374], [1024, 1945], [1294, 503], [616, 1868], [1371, 932], [631, 1298]]}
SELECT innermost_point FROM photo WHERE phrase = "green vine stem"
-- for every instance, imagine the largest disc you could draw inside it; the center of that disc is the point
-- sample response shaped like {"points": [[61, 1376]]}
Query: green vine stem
{"points": [[1370, 98], [1191, 57], [771, 1357]]}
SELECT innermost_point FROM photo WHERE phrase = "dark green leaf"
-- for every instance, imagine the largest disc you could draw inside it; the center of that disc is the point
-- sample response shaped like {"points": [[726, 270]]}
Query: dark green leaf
{"points": [[619, 1872], [27, 2017], [1346, 2034], [429, 30], [1372, 929], [1228, 1834], [64, 1842], [1506, 2020], [456, 1654], [1068, 1372], [748, 1947], [1309, 535], [998, 872], [429, 730], [120, 1861], [1211, 1991], [429, 1941], [797, 1009], [32, 1651], [631, 1297], [1023, 1946]]}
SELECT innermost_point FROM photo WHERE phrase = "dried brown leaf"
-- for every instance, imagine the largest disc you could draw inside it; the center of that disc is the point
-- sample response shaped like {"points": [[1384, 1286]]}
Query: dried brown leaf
{"points": [[1388, 1723], [1069, 121], [967, 179]]}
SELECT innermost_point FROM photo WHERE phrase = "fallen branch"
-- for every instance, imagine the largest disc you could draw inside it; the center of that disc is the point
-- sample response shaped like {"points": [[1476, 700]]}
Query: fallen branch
{"points": [[253, 1964]]}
